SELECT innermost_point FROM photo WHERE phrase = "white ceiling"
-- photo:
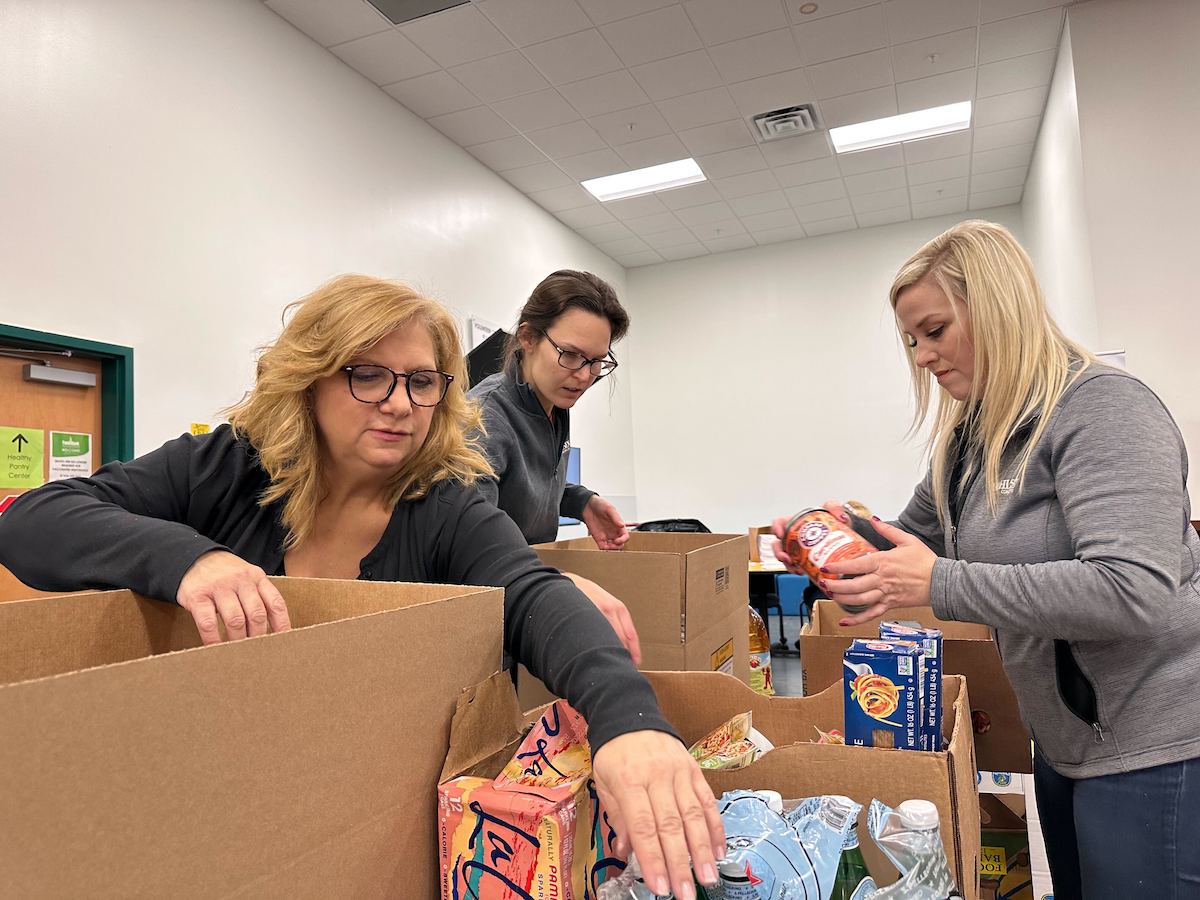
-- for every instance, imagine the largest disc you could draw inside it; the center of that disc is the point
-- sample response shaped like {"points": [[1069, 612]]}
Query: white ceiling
{"points": [[551, 92]]}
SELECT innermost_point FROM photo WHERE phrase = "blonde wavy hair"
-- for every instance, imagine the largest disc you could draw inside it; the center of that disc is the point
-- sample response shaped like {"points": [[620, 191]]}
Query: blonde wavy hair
{"points": [[337, 322], [1023, 362]]}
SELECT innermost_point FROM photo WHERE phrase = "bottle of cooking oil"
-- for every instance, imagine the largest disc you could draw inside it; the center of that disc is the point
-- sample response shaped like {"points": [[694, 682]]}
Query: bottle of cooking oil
{"points": [[760, 655]]}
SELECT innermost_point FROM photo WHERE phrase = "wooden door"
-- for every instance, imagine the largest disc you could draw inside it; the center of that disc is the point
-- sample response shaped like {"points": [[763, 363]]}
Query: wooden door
{"points": [[34, 406]]}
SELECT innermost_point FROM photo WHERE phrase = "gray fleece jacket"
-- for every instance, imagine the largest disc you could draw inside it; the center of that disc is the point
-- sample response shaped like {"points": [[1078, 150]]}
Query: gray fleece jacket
{"points": [[528, 451], [1090, 576]]}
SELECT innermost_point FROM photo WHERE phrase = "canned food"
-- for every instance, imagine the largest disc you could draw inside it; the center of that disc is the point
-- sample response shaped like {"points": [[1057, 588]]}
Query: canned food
{"points": [[815, 538]]}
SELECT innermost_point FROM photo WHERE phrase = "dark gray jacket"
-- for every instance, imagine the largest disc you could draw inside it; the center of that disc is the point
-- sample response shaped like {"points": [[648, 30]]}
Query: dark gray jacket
{"points": [[528, 450], [1090, 576]]}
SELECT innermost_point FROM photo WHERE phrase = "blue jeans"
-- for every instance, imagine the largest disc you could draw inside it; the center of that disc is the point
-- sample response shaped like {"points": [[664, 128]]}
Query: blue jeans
{"points": [[1129, 836]]}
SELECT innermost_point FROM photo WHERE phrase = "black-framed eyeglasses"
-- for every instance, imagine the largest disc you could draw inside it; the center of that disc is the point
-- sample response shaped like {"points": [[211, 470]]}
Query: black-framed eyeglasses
{"points": [[573, 360], [374, 384]]}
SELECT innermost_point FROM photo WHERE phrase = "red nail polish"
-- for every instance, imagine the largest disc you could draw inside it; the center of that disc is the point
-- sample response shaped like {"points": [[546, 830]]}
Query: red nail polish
{"points": [[824, 571], [876, 519]]}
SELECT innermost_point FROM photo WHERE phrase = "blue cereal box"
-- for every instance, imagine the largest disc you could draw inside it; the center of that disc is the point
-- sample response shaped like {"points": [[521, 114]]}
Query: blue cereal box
{"points": [[883, 694], [930, 640]]}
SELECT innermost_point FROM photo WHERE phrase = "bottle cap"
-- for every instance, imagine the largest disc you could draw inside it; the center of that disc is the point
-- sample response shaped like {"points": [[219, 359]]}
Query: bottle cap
{"points": [[918, 814], [774, 800]]}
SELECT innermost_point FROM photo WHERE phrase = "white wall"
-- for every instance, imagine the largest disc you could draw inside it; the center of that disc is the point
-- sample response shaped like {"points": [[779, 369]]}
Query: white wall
{"points": [[174, 173], [1055, 209], [1139, 119], [773, 378]]}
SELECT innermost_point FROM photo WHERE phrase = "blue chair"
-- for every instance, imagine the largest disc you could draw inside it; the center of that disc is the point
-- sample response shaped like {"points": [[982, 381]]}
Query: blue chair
{"points": [[790, 589]]}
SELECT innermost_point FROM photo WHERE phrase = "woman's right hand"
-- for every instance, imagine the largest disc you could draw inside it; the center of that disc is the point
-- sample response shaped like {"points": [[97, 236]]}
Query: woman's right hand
{"points": [[220, 584], [779, 527]]}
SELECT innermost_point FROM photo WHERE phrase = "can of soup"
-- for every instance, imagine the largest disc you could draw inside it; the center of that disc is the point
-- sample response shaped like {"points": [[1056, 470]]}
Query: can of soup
{"points": [[815, 538]]}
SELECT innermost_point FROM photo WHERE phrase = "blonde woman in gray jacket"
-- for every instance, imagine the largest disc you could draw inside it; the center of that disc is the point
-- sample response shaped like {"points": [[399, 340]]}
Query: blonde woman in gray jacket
{"points": [[1056, 511]]}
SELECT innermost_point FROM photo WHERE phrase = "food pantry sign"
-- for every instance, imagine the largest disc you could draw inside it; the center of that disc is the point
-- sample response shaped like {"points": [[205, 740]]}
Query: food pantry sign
{"points": [[22, 451]]}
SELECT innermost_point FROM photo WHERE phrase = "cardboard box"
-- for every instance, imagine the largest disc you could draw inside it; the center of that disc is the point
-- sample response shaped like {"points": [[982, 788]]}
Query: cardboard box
{"points": [[687, 594], [697, 702], [136, 764], [1004, 865], [754, 532], [1001, 742]]}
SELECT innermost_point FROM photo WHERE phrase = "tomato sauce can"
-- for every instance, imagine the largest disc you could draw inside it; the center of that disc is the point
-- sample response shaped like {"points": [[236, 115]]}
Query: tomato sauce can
{"points": [[815, 538]]}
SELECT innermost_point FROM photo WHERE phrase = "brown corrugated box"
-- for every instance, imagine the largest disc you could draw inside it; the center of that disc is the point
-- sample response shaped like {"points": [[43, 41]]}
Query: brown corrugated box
{"points": [[687, 594], [1001, 742], [754, 533], [304, 764]]}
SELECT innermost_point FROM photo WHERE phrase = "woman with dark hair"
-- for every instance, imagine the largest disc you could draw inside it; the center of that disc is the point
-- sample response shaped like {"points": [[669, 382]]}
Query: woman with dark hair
{"points": [[561, 346]]}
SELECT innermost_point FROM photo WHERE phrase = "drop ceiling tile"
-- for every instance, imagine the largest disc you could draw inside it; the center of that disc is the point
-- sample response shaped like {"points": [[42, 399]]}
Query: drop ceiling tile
{"points": [[756, 204], [830, 226], [955, 50], [609, 231], [673, 238], [330, 22], [684, 251], [604, 94], [938, 191], [824, 8], [877, 103], [1020, 36], [807, 172], [636, 207], [472, 126], [871, 160], [806, 195], [629, 125], [653, 151], [456, 36], [1002, 158], [726, 244], [507, 153], [939, 170], [655, 35], [872, 182], [701, 108], [683, 74], [563, 198], [721, 20], [532, 21], [797, 149], [781, 218], [847, 34], [623, 246], [689, 196], [647, 226], [937, 90], [1016, 74], [732, 162], [574, 57], [571, 139], [772, 92], [940, 147], [703, 215], [1005, 134], [1006, 9], [434, 94], [1002, 197], [385, 57], [939, 207], [747, 184], [994, 181], [500, 77], [540, 177], [585, 215], [851, 74], [593, 164], [711, 231], [754, 57], [778, 235], [531, 112], [634, 260], [715, 138], [602, 11], [880, 201], [1007, 107], [911, 20], [883, 216]]}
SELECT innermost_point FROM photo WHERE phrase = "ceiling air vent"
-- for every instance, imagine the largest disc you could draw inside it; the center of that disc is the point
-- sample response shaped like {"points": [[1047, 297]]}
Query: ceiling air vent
{"points": [[783, 123], [401, 11]]}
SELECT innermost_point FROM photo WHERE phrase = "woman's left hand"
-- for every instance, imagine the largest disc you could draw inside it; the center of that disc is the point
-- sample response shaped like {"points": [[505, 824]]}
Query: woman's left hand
{"points": [[605, 524], [888, 579], [662, 809]]}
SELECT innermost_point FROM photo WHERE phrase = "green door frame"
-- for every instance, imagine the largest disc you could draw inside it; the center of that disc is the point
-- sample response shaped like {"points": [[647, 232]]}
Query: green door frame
{"points": [[116, 383]]}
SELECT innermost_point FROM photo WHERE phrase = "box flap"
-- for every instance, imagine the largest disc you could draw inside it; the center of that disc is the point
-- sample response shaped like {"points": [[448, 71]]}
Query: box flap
{"points": [[827, 614], [487, 720], [717, 583]]}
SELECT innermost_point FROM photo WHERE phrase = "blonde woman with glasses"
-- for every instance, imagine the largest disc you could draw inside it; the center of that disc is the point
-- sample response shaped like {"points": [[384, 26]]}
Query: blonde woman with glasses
{"points": [[349, 459], [1056, 511]]}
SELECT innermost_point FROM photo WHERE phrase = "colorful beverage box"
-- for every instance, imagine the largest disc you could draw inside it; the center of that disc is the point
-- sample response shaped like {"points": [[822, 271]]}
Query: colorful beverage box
{"points": [[930, 640], [883, 684], [535, 832]]}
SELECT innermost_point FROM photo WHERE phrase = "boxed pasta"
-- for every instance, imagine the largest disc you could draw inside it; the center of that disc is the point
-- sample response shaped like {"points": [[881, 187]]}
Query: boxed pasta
{"points": [[930, 640], [883, 687]]}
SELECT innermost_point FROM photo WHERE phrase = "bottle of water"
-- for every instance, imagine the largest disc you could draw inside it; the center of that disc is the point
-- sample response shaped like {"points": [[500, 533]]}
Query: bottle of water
{"points": [[854, 880]]}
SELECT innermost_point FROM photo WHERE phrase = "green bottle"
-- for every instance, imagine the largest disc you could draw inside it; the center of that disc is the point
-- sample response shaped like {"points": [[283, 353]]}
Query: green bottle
{"points": [[853, 880]]}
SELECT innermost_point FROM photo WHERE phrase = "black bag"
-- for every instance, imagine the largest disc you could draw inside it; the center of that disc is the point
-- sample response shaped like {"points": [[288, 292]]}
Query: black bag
{"points": [[684, 526]]}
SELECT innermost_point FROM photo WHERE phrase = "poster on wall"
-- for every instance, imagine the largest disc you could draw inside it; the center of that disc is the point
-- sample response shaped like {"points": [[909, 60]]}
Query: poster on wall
{"points": [[478, 331], [21, 453], [70, 455]]}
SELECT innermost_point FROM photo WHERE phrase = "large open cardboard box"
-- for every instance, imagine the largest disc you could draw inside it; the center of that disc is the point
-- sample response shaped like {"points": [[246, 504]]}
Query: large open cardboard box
{"points": [[687, 594], [136, 764], [1001, 742]]}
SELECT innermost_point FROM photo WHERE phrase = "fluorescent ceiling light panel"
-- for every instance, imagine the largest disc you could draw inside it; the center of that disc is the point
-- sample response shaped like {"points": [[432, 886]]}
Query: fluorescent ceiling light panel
{"points": [[907, 127], [644, 181]]}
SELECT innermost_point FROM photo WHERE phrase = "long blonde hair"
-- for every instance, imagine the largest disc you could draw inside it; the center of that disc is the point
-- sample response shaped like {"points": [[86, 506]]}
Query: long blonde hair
{"points": [[338, 321], [1023, 362]]}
